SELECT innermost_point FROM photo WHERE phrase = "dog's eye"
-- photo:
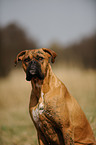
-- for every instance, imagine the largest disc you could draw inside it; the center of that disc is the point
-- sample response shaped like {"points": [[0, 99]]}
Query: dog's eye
{"points": [[40, 58], [27, 59]]}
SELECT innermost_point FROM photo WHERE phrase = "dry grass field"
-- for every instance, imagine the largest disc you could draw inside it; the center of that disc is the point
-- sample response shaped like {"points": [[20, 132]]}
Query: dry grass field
{"points": [[16, 127]]}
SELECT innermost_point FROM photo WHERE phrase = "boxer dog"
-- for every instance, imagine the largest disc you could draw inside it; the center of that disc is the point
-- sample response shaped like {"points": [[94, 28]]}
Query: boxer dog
{"points": [[57, 116]]}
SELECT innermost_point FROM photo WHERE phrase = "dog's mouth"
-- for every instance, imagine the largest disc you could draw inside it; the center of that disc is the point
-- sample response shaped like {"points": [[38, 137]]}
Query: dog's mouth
{"points": [[34, 71]]}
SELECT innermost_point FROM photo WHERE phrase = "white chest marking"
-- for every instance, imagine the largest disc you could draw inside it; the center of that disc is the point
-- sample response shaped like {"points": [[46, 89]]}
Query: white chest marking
{"points": [[39, 110]]}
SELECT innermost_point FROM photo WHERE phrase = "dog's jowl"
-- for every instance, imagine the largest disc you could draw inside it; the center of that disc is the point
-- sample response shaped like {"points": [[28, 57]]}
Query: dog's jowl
{"points": [[57, 116]]}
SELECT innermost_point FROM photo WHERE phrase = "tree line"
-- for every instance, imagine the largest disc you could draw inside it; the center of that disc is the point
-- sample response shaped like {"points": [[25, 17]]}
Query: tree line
{"points": [[81, 54]]}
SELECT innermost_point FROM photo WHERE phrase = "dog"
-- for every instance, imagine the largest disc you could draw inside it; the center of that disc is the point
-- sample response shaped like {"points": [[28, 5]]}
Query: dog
{"points": [[57, 116]]}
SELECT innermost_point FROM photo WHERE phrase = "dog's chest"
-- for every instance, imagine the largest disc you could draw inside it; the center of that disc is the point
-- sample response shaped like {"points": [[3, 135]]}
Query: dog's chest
{"points": [[38, 111]]}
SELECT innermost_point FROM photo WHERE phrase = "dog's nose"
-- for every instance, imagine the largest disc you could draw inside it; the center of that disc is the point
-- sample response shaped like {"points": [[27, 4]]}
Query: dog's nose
{"points": [[33, 62]]}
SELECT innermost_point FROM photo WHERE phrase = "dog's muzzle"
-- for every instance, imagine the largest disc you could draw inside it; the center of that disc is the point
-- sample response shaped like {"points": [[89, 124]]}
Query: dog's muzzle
{"points": [[34, 71]]}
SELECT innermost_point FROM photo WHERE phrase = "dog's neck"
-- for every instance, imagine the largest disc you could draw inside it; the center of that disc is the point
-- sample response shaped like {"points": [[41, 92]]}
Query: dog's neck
{"points": [[45, 84], [42, 86]]}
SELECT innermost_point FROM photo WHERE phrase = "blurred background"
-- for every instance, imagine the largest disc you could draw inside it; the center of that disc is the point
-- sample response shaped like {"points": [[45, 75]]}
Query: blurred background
{"points": [[68, 28]]}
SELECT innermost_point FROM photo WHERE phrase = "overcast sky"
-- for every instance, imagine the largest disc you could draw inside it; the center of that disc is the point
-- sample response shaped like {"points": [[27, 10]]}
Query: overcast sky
{"points": [[62, 21]]}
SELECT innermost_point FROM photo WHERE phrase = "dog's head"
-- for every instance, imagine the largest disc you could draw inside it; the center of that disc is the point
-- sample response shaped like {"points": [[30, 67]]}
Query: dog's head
{"points": [[35, 62]]}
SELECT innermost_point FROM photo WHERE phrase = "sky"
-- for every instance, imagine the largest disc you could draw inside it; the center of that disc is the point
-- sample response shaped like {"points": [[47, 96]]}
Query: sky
{"points": [[47, 21]]}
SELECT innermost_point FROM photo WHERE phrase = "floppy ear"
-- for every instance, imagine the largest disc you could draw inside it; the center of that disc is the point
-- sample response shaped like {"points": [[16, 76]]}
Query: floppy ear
{"points": [[51, 52], [19, 56]]}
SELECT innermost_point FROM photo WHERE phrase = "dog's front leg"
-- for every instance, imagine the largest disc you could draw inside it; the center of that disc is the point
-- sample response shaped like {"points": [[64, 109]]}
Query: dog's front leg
{"points": [[68, 136], [40, 142], [41, 139]]}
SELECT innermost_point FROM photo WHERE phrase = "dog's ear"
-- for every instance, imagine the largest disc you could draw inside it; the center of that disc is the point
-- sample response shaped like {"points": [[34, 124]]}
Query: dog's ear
{"points": [[20, 56], [51, 53]]}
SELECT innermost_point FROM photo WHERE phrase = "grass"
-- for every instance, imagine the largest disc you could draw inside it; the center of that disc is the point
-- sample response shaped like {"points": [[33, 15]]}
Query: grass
{"points": [[16, 127]]}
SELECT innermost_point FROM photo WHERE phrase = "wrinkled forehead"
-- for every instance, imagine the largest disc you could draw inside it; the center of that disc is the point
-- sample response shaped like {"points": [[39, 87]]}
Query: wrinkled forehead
{"points": [[37, 52]]}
